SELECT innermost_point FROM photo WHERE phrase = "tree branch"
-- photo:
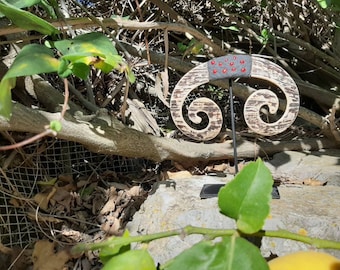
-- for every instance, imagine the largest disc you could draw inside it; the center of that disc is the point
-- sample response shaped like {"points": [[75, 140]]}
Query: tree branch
{"points": [[118, 139]]}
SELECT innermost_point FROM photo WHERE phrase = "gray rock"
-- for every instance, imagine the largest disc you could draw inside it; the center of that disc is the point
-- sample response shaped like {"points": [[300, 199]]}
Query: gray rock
{"points": [[321, 165], [311, 210]]}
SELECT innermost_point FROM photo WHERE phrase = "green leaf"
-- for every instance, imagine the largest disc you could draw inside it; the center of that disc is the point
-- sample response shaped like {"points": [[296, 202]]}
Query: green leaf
{"points": [[323, 3], [33, 59], [55, 125], [50, 7], [129, 74], [182, 47], [107, 252], [22, 4], [5, 97], [81, 70], [265, 33], [64, 69], [91, 49], [131, 260], [246, 198], [232, 253], [26, 20]]}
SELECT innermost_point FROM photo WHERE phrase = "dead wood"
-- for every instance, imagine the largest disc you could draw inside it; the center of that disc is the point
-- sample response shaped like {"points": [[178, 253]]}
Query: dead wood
{"points": [[118, 139]]}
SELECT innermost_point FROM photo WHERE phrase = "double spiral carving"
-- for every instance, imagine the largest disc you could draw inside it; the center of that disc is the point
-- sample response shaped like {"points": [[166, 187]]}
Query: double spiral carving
{"points": [[235, 66]]}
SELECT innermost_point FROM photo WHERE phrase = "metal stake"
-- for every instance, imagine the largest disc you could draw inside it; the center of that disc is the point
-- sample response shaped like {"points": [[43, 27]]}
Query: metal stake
{"points": [[232, 118]]}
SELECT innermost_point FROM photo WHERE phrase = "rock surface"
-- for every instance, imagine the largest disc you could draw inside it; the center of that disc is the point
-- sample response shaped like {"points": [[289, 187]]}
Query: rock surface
{"points": [[311, 210], [321, 165]]}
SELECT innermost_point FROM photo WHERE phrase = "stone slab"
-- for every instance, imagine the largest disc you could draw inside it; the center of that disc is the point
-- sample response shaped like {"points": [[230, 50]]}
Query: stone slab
{"points": [[303, 209], [323, 165]]}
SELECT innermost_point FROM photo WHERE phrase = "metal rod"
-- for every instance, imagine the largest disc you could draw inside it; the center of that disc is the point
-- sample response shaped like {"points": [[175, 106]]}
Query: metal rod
{"points": [[232, 118]]}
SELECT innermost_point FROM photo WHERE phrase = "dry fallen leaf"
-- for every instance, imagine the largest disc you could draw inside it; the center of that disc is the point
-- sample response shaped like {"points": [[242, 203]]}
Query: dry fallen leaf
{"points": [[15, 258], [135, 191], [43, 198], [45, 257], [63, 198], [179, 175], [217, 167], [313, 182]]}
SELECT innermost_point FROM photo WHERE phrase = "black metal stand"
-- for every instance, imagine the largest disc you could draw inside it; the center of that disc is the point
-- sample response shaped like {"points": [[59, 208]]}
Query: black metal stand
{"points": [[232, 119], [211, 190]]}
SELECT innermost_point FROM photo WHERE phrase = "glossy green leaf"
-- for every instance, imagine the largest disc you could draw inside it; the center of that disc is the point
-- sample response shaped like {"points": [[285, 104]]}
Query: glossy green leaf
{"points": [[131, 260], [33, 59], [5, 97], [26, 20], [246, 198], [232, 253]]}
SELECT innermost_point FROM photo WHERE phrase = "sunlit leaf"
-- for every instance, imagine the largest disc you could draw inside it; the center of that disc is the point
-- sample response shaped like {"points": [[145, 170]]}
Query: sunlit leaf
{"points": [[87, 58], [33, 59], [81, 48], [131, 260], [246, 198], [323, 3], [5, 97], [26, 20], [232, 253]]}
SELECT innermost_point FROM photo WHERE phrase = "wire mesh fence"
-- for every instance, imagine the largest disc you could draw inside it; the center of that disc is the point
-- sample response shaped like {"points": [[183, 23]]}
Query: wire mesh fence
{"points": [[43, 161]]}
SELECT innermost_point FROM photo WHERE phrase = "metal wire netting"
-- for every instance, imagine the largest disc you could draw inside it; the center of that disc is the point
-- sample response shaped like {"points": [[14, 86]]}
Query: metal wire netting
{"points": [[43, 161]]}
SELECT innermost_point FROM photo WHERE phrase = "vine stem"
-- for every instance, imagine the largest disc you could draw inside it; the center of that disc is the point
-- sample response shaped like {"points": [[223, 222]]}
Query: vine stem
{"points": [[208, 233]]}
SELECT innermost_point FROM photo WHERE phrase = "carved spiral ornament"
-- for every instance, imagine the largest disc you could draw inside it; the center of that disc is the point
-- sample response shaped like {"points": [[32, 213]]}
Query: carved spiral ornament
{"points": [[235, 66]]}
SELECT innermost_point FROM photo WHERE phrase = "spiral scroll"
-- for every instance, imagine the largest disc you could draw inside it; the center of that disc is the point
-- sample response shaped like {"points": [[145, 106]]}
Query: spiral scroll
{"points": [[235, 66]]}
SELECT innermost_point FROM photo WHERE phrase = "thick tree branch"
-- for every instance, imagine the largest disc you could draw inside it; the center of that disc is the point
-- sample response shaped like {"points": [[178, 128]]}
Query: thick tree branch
{"points": [[118, 139]]}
